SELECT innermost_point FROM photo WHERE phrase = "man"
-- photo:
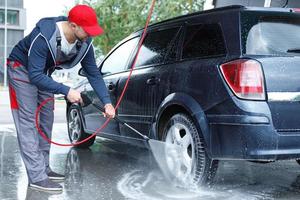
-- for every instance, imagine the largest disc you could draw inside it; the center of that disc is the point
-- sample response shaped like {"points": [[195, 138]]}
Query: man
{"points": [[58, 42]]}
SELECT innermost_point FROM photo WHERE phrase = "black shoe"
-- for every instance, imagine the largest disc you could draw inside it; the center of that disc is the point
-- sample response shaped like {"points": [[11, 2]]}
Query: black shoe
{"points": [[46, 185], [55, 176]]}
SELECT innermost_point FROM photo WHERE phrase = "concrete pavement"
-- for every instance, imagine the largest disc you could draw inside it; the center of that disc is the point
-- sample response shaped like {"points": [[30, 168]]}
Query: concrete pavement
{"points": [[6, 116], [4, 96], [117, 171], [5, 112]]}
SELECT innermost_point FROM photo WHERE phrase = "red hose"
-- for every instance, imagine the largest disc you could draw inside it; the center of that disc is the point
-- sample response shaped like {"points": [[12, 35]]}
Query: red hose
{"points": [[40, 131]]}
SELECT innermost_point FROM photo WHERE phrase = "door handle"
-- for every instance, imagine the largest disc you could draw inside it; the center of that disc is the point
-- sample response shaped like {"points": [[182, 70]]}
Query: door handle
{"points": [[152, 81], [111, 86]]}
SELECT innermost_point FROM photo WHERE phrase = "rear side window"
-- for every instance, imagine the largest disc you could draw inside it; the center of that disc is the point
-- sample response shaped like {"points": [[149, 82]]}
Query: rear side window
{"points": [[203, 40], [158, 47]]}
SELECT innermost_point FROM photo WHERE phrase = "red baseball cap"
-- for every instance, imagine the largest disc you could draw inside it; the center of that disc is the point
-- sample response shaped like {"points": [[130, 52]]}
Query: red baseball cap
{"points": [[85, 17]]}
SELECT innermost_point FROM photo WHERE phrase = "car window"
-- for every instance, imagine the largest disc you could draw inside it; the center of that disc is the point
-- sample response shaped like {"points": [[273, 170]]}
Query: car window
{"points": [[117, 61], [273, 36], [203, 40], [158, 47]]}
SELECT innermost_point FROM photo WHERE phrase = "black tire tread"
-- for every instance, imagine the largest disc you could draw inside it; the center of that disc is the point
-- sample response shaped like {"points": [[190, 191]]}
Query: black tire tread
{"points": [[204, 174]]}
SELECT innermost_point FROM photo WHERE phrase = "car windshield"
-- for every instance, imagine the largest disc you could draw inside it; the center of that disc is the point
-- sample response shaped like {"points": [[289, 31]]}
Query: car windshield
{"points": [[273, 36]]}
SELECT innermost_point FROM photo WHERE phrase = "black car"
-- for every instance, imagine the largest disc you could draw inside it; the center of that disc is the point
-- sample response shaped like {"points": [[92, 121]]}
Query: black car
{"points": [[222, 84]]}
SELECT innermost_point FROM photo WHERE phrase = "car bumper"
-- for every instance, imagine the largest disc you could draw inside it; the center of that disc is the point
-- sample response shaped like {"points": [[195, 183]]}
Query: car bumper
{"points": [[250, 138]]}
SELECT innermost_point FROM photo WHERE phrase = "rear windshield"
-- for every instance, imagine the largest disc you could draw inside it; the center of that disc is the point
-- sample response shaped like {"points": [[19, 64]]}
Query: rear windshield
{"points": [[270, 35]]}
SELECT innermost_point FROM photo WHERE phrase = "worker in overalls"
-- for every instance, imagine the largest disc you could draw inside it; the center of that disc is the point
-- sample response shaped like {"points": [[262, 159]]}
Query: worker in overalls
{"points": [[58, 42]]}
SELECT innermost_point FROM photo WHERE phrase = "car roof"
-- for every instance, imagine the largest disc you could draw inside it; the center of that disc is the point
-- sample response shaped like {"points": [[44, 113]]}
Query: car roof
{"points": [[233, 8], [214, 11]]}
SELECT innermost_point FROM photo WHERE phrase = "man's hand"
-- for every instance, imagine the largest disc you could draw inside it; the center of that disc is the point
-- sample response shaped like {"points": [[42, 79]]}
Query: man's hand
{"points": [[109, 111], [74, 96]]}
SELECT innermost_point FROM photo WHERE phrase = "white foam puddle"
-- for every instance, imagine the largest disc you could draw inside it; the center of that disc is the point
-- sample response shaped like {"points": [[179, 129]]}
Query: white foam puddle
{"points": [[152, 186]]}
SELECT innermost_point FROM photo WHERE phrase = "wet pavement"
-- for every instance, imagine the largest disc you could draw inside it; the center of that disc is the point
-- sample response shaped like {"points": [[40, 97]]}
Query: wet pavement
{"points": [[113, 170]]}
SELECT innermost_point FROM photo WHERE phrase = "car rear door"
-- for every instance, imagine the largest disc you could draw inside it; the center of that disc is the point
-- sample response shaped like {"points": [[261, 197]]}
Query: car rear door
{"points": [[148, 84]]}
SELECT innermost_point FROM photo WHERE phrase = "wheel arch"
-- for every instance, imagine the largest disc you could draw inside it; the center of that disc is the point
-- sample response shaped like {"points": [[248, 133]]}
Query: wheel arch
{"points": [[181, 102]]}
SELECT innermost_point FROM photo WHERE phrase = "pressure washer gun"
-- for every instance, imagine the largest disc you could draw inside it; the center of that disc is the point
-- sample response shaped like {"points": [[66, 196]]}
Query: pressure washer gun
{"points": [[87, 101]]}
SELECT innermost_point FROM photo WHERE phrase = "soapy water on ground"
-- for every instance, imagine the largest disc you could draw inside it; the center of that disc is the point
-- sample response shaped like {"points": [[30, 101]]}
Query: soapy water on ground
{"points": [[235, 180], [153, 186]]}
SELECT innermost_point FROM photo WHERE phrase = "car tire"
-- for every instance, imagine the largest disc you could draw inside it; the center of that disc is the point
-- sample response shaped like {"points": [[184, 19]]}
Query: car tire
{"points": [[298, 161], [200, 169], [75, 128]]}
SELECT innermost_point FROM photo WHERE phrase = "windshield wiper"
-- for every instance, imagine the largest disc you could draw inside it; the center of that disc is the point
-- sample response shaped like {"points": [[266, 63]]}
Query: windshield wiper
{"points": [[294, 50]]}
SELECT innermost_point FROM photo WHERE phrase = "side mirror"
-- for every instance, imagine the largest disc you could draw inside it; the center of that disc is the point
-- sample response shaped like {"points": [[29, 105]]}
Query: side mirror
{"points": [[81, 72]]}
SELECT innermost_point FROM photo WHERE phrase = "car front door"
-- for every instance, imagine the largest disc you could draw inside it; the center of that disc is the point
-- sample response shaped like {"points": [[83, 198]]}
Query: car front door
{"points": [[113, 65]]}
